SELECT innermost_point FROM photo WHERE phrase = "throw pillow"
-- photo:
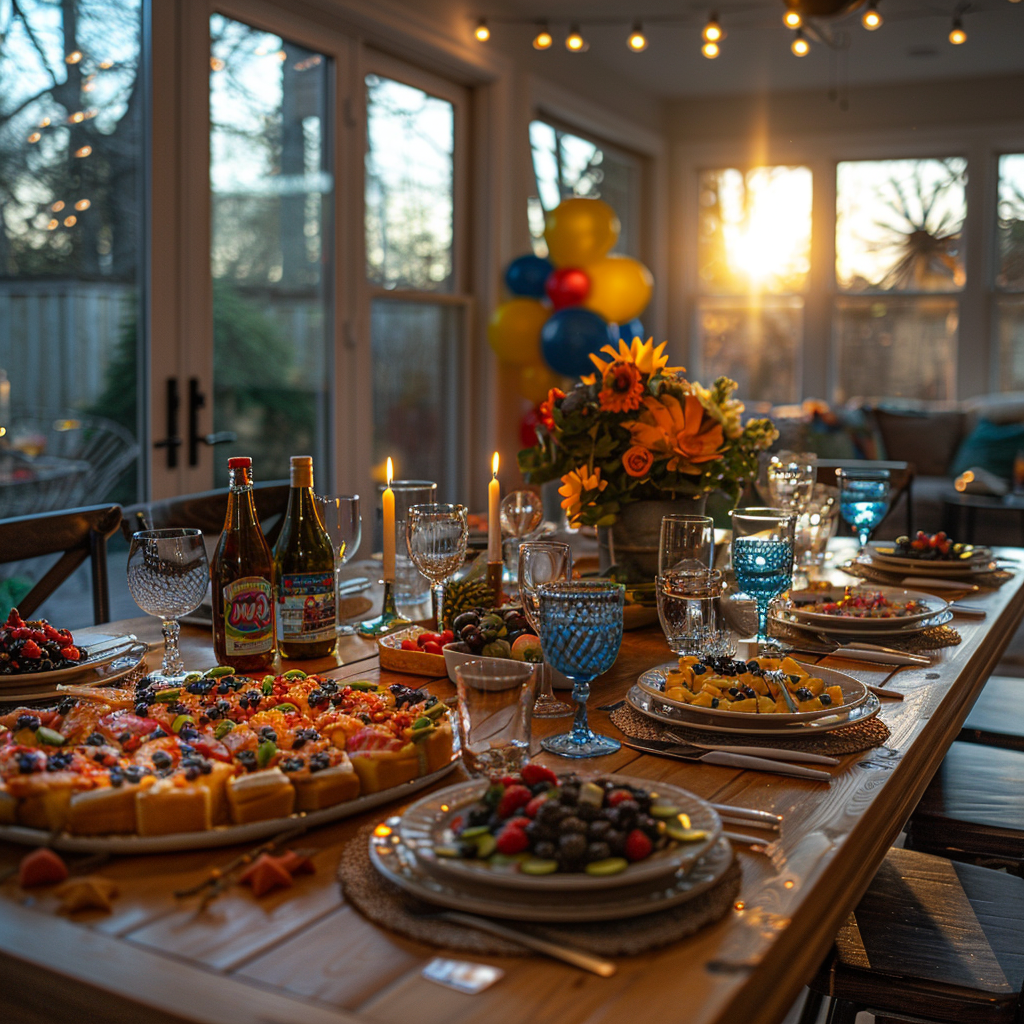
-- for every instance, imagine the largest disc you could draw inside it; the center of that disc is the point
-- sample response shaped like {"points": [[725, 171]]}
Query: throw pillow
{"points": [[993, 446]]}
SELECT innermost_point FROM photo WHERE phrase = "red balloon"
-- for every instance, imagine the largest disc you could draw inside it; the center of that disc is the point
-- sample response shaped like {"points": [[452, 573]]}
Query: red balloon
{"points": [[567, 286], [527, 428]]}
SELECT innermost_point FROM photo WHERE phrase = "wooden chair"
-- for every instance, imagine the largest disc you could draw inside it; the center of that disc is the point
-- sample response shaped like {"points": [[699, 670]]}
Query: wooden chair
{"points": [[206, 511], [931, 940], [901, 481], [77, 534], [997, 718]]}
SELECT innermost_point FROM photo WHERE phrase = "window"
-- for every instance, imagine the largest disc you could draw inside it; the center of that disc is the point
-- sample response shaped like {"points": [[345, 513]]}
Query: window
{"points": [[899, 266], [567, 165], [1009, 279], [753, 261]]}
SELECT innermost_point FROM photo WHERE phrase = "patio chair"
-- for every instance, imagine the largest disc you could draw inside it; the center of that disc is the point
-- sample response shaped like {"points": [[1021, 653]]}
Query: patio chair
{"points": [[76, 534]]}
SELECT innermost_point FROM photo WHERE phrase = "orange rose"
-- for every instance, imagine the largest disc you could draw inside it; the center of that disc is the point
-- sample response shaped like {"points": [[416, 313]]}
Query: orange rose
{"points": [[638, 460], [545, 409]]}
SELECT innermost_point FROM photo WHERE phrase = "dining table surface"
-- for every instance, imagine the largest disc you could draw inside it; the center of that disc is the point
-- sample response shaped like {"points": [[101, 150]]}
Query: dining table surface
{"points": [[303, 954]]}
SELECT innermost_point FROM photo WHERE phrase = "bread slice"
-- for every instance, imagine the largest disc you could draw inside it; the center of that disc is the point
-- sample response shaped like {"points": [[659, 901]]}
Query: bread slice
{"points": [[105, 810], [260, 795], [317, 790], [172, 805]]}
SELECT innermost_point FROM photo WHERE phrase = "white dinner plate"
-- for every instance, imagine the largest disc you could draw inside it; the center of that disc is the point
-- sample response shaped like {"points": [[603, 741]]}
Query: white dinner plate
{"points": [[884, 554], [838, 632], [427, 824], [655, 707], [223, 835], [396, 862], [854, 693], [127, 663], [799, 601]]}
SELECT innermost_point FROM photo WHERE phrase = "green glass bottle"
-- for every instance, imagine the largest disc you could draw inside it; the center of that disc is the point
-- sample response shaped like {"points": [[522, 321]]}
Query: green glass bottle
{"points": [[304, 573]]}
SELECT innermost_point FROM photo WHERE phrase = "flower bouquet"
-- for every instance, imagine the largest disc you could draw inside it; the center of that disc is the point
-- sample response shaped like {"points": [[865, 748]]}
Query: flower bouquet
{"points": [[638, 430]]}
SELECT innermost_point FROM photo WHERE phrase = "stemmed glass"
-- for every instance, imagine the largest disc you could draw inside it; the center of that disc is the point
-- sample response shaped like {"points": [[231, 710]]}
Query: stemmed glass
{"points": [[762, 559], [863, 499], [521, 513], [686, 543], [791, 477], [344, 525], [168, 575], [543, 561], [581, 630], [436, 536]]}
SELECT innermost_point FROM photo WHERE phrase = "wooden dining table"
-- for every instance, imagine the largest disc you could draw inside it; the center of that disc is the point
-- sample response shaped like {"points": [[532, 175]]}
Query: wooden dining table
{"points": [[304, 955]]}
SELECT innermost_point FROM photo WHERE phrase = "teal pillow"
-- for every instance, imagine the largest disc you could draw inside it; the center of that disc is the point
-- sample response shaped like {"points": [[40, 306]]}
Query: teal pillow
{"points": [[993, 446]]}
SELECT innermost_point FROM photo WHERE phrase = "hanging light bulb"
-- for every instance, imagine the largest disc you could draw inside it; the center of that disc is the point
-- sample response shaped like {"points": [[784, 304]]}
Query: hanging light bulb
{"points": [[792, 18], [710, 49], [542, 40], [712, 30], [871, 19], [800, 46], [957, 35], [637, 41], [482, 32], [574, 42]]}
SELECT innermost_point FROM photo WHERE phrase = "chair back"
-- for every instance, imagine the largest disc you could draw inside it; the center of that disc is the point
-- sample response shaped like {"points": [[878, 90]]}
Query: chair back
{"points": [[75, 534], [206, 511]]}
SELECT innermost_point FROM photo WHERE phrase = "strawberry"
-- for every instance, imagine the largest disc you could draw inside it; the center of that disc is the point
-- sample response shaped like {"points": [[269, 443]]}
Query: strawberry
{"points": [[512, 840], [408, 644], [534, 805], [638, 845], [517, 822], [514, 797], [616, 796], [51, 634], [71, 653], [31, 651], [14, 620], [534, 773]]}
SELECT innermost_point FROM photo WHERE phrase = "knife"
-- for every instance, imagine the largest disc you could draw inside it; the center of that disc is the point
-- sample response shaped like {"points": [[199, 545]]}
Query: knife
{"points": [[866, 653], [684, 752], [772, 753]]}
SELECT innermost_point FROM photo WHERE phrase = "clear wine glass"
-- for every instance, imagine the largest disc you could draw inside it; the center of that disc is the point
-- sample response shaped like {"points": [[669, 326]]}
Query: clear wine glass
{"points": [[791, 477], [436, 536], [344, 525], [168, 575], [762, 559], [521, 513], [863, 499], [581, 630], [543, 561]]}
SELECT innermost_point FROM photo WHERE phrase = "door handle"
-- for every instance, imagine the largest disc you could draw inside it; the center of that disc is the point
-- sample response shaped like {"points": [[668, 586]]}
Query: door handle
{"points": [[197, 401], [172, 442]]}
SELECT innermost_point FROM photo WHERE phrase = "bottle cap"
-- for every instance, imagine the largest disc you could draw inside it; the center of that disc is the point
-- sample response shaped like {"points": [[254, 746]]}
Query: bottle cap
{"points": [[302, 460], [239, 462], [301, 472]]}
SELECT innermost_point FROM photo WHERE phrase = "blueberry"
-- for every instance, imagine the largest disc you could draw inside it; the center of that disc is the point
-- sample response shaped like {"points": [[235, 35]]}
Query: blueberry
{"points": [[95, 740], [826, 700], [804, 694], [292, 764], [573, 824], [27, 722], [598, 851], [162, 760]]}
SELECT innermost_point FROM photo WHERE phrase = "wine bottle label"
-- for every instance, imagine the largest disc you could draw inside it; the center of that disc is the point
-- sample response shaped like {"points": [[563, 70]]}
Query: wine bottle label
{"points": [[249, 616], [305, 606]]}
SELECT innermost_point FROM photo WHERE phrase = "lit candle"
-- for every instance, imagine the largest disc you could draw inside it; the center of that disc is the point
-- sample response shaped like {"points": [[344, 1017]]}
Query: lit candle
{"points": [[388, 501], [494, 514]]}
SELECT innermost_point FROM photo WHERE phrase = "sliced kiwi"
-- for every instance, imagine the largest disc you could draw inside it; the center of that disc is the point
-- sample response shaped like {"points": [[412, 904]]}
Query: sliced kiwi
{"points": [[537, 866], [685, 835], [664, 811], [486, 845], [473, 831], [608, 866], [448, 851]]}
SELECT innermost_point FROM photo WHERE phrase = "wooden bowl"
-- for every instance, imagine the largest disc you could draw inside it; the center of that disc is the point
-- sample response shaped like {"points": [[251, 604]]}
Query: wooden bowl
{"points": [[417, 663]]}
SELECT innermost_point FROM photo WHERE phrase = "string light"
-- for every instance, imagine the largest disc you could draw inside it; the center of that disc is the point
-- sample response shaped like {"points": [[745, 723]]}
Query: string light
{"points": [[871, 19], [800, 46], [713, 31], [83, 152], [710, 50], [77, 117], [106, 64], [216, 64], [574, 42], [53, 225], [637, 41], [957, 35], [45, 123], [70, 221], [74, 57], [58, 206], [482, 32], [792, 18], [35, 137], [543, 39], [82, 204]]}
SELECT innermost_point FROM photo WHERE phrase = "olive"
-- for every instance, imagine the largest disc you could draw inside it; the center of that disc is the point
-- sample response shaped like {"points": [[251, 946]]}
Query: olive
{"points": [[598, 851], [463, 620], [573, 824]]}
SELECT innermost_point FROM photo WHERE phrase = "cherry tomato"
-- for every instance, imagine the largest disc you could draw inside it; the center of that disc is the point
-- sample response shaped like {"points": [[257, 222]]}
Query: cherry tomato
{"points": [[447, 637], [427, 638], [409, 644], [432, 647]]}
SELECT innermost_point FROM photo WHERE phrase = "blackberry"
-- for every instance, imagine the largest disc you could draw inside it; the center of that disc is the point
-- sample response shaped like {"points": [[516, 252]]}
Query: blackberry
{"points": [[267, 733], [247, 759], [27, 722], [318, 762], [58, 762], [316, 697], [161, 759], [292, 764]]}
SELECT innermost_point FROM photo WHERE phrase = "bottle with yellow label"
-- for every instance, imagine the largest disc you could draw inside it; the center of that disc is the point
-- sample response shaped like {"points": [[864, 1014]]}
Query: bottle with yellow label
{"points": [[304, 573]]}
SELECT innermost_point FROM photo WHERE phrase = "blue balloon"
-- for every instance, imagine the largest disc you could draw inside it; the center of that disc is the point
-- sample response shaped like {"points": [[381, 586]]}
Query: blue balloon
{"points": [[570, 336], [527, 275], [634, 329]]}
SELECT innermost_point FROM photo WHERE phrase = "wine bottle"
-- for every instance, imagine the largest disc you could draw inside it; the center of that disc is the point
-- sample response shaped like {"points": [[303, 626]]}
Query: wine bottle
{"points": [[304, 573], [242, 575]]}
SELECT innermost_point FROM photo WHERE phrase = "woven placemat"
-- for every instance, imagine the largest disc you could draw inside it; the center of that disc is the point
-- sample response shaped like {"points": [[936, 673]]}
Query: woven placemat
{"points": [[990, 580], [850, 739], [917, 643], [388, 906]]}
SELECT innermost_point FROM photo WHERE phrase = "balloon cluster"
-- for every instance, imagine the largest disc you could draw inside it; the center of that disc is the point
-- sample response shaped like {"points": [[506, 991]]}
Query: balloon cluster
{"points": [[568, 306]]}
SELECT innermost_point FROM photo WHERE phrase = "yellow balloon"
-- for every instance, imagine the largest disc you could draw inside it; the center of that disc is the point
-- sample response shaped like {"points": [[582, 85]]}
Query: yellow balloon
{"points": [[514, 331], [580, 231], [536, 380], [620, 288]]}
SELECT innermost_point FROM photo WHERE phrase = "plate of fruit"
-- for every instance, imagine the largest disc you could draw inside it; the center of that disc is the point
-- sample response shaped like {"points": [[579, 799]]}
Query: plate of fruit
{"points": [[926, 553], [862, 608], [416, 650], [544, 832]]}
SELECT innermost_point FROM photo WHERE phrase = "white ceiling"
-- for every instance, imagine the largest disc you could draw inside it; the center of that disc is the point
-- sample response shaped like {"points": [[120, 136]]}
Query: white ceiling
{"points": [[911, 45]]}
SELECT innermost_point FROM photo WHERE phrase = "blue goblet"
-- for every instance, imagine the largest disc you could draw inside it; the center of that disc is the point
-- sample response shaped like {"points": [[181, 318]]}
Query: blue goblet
{"points": [[863, 499], [581, 630]]}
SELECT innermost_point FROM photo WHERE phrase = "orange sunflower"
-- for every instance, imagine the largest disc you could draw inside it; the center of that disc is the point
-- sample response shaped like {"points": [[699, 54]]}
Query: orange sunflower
{"points": [[679, 431], [574, 483], [622, 389]]}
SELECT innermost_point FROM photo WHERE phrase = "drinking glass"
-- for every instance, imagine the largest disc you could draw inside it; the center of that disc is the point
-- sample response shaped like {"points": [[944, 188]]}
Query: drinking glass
{"points": [[344, 525], [687, 542], [581, 630], [688, 609], [495, 700], [411, 586], [436, 536], [543, 561], [168, 575], [762, 559], [815, 524], [863, 499], [791, 477], [521, 513]]}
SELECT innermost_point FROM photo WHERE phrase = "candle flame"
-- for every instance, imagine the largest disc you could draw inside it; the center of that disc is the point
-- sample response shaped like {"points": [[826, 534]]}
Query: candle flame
{"points": [[494, 465], [391, 471]]}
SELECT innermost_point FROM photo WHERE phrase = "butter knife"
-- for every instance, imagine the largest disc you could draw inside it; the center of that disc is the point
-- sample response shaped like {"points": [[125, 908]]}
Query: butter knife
{"points": [[685, 752]]}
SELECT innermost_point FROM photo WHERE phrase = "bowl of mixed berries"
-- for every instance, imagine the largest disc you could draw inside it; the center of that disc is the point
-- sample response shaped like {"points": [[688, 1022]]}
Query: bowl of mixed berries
{"points": [[539, 830], [36, 646]]}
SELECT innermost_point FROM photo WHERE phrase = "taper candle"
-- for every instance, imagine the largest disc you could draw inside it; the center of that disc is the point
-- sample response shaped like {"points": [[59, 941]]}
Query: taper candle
{"points": [[494, 514], [388, 502]]}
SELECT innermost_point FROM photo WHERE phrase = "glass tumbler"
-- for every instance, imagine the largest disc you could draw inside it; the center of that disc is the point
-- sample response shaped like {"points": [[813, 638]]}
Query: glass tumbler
{"points": [[411, 586], [688, 602], [687, 542]]}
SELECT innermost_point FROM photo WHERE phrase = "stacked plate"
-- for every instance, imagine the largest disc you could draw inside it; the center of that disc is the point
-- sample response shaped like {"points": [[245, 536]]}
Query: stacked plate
{"points": [[109, 658], [883, 555], [648, 697], [403, 850]]}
